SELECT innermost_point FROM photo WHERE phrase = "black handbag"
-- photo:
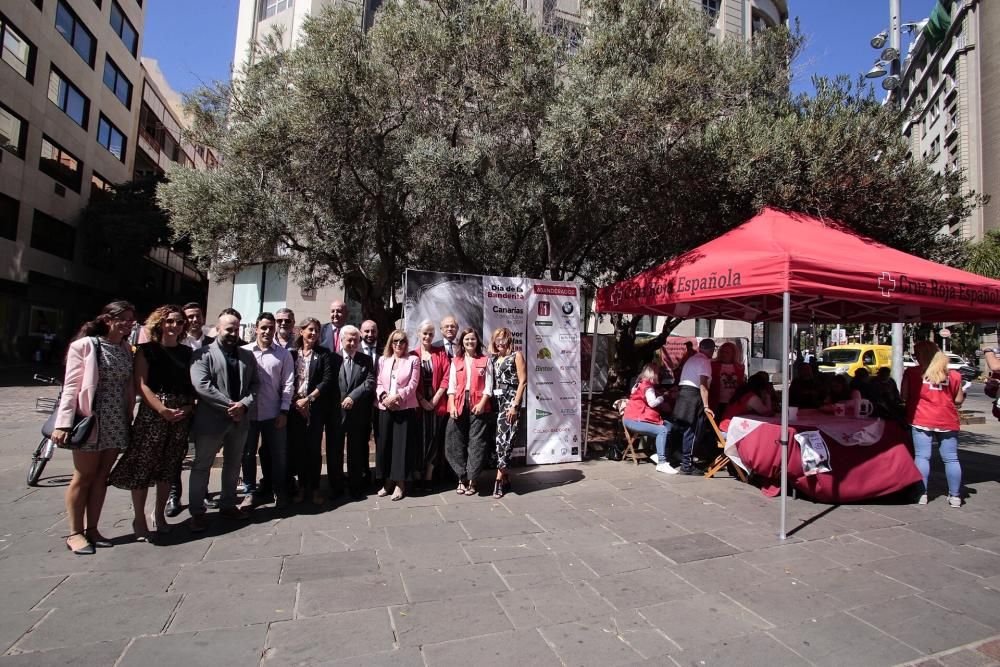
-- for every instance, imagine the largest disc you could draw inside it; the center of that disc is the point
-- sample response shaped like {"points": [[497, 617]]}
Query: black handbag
{"points": [[82, 426]]}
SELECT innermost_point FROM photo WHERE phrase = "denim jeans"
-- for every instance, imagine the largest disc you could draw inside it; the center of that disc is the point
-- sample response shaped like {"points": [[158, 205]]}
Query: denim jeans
{"points": [[660, 431], [273, 457], [923, 441]]}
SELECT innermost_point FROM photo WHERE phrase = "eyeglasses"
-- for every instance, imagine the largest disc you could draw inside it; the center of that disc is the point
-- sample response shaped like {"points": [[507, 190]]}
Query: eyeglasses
{"points": [[399, 341], [173, 321], [282, 320]]}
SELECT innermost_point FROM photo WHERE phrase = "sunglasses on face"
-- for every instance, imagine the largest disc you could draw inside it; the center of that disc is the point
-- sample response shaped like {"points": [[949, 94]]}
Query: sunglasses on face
{"points": [[172, 321], [281, 320], [399, 341]]}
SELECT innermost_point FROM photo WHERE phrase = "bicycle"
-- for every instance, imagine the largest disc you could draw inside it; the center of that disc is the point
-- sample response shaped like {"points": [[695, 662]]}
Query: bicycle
{"points": [[46, 448]]}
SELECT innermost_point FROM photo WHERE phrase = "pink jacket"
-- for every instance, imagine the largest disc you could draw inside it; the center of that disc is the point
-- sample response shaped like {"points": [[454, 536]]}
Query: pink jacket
{"points": [[407, 378], [80, 384]]}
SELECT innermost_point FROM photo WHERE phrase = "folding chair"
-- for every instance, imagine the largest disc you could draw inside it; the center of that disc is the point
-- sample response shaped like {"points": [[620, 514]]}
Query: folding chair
{"points": [[722, 461], [630, 440]]}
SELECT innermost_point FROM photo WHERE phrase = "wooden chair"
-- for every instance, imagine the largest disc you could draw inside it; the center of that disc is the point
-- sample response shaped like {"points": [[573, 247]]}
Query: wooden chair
{"points": [[722, 461], [630, 440]]}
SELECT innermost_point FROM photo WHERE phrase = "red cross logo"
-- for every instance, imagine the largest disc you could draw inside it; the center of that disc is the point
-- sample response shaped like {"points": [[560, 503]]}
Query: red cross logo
{"points": [[887, 284], [616, 295]]}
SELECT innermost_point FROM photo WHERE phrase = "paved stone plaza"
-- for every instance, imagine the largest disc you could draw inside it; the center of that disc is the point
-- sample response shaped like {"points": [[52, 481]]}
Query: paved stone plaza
{"points": [[600, 563]]}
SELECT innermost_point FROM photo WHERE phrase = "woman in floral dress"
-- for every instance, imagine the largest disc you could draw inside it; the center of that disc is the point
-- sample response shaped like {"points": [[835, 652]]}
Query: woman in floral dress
{"points": [[510, 380]]}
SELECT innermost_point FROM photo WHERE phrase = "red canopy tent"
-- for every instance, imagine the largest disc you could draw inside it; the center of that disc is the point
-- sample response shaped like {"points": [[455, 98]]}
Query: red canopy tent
{"points": [[781, 266]]}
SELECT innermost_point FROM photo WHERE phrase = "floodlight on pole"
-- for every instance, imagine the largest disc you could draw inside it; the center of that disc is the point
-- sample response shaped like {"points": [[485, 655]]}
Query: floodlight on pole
{"points": [[879, 40], [877, 70], [889, 54], [890, 82]]}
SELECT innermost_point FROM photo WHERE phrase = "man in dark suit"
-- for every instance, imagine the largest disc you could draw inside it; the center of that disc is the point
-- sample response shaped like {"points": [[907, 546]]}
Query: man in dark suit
{"points": [[225, 380], [357, 387]]}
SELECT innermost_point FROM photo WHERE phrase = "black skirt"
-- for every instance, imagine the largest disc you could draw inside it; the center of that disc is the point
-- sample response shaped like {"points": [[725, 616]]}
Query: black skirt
{"points": [[397, 445], [688, 407]]}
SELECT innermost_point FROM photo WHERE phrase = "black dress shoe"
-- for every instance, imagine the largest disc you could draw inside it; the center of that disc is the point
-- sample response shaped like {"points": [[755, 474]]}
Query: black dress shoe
{"points": [[173, 506], [211, 503], [99, 541]]}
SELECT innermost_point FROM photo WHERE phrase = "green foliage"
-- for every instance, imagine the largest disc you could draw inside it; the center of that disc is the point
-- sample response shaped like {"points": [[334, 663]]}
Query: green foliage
{"points": [[984, 257], [460, 135]]}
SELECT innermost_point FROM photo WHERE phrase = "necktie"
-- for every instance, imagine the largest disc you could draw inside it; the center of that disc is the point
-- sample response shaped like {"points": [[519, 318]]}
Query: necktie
{"points": [[450, 353], [347, 366], [336, 340]]}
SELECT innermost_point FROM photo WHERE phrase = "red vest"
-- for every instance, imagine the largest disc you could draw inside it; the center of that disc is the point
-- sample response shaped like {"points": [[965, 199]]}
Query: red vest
{"points": [[638, 409], [480, 366], [932, 405]]}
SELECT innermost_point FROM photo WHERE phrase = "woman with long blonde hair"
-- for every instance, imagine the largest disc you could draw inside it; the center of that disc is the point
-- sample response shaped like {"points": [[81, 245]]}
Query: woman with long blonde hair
{"points": [[932, 394]]}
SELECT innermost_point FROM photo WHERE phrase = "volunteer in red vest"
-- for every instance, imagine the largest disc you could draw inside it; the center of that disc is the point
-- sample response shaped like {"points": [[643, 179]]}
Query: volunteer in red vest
{"points": [[642, 415], [728, 375], [470, 387], [932, 394]]}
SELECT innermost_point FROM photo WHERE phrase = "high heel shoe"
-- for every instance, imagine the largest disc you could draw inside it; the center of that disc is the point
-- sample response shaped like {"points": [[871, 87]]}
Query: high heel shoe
{"points": [[161, 527], [97, 539], [140, 535], [88, 550], [498, 489]]}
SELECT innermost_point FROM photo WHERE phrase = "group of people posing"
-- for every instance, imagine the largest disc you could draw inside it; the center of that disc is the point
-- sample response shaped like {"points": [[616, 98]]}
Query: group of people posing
{"points": [[927, 403], [278, 399]]}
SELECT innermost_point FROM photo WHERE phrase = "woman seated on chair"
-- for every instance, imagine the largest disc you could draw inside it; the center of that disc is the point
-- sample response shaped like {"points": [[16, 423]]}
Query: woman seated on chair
{"points": [[643, 415], [754, 397]]}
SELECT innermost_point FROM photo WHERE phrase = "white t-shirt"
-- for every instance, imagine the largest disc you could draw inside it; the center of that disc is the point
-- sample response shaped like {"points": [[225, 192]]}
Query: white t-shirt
{"points": [[694, 368]]}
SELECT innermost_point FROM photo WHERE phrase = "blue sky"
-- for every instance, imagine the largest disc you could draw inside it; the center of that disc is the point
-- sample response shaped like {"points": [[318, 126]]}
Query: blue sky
{"points": [[194, 40]]}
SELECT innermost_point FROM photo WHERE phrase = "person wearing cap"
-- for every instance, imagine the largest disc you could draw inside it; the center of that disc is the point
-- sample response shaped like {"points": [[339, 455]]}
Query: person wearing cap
{"points": [[692, 401]]}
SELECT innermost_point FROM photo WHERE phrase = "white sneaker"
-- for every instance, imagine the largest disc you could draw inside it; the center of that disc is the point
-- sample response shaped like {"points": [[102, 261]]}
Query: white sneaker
{"points": [[666, 467], [654, 457], [923, 500], [954, 501]]}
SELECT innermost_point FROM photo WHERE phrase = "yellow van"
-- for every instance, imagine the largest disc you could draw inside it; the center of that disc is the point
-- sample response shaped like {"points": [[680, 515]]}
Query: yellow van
{"points": [[849, 358]]}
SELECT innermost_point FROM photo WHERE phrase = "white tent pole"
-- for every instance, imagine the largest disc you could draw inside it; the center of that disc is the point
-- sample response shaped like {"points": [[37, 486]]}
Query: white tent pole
{"points": [[786, 344], [590, 389]]}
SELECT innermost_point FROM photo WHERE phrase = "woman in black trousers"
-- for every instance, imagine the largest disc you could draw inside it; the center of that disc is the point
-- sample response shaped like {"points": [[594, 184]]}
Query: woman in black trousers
{"points": [[314, 384]]}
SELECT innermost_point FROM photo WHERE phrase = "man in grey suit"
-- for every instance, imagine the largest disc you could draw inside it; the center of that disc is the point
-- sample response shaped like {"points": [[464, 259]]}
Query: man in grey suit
{"points": [[225, 379], [357, 387]]}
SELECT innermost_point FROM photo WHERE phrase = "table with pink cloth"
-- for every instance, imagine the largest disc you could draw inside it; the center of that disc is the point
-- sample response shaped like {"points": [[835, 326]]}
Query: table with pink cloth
{"points": [[868, 457]]}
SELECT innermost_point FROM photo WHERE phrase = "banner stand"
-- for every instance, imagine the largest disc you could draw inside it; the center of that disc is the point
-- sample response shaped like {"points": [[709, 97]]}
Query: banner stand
{"points": [[590, 390]]}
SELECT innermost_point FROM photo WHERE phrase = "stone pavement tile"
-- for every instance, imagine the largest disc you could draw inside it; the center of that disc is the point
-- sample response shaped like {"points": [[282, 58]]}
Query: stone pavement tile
{"points": [[208, 648], [403, 657], [961, 658], [848, 549], [905, 513], [443, 620], [250, 605], [592, 641], [13, 624], [821, 528], [618, 558], [23, 594], [472, 511], [422, 557], [503, 548], [520, 573], [990, 649], [991, 544], [785, 600], [950, 531], [593, 501], [521, 647], [443, 583], [590, 537], [975, 561], [842, 639], [145, 556], [686, 621], [720, 574], [404, 516], [110, 587], [548, 605], [644, 637], [924, 626], [343, 539], [408, 536], [330, 596], [531, 503], [49, 559], [924, 571], [328, 566], [857, 586], [326, 638], [257, 546], [589, 485], [222, 574], [905, 541], [100, 622], [409, 500], [565, 520], [500, 526], [648, 483], [697, 546], [749, 538], [754, 650], [101, 653], [643, 588], [863, 518], [310, 520], [791, 560], [973, 599]]}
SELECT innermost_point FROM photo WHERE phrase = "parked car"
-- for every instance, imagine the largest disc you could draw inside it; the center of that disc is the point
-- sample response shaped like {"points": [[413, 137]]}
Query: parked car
{"points": [[849, 358], [955, 363]]}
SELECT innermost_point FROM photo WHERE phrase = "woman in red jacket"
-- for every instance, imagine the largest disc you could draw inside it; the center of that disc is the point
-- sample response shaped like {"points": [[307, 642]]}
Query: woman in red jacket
{"points": [[728, 375], [431, 399], [396, 390], [642, 415], [932, 394], [470, 388]]}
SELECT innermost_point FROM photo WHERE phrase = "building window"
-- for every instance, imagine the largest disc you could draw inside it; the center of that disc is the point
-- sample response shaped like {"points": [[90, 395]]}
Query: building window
{"points": [[711, 7], [99, 185], [73, 31], [68, 97], [269, 8], [111, 138], [13, 132], [124, 29], [117, 83], [18, 52], [52, 236], [9, 210], [60, 164]]}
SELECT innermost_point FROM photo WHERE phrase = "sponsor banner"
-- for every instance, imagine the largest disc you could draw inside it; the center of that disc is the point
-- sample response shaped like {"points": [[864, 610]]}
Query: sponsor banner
{"points": [[504, 305], [554, 383]]}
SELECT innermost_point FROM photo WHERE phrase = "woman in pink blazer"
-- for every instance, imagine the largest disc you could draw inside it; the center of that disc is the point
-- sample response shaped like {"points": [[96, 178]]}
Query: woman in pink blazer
{"points": [[98, 381], [396, 390]]}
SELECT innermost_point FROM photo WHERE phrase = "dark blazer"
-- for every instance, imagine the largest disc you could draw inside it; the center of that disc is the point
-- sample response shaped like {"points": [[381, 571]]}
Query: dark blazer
{"points": [[211, 383], [359, 385], [322, 376]]}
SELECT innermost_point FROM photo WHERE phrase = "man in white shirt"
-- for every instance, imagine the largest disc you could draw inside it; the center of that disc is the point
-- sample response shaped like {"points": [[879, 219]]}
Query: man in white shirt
{"points": [[692, 401], [195, 317]]}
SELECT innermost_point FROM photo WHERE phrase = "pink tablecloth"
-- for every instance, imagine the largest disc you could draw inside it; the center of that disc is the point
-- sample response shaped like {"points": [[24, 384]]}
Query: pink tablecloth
{"points": [[858, 472]]}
